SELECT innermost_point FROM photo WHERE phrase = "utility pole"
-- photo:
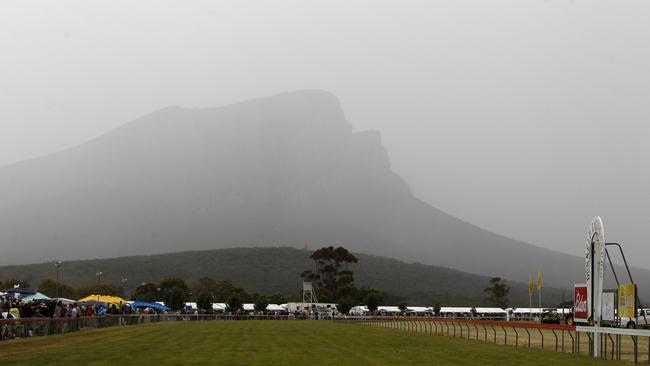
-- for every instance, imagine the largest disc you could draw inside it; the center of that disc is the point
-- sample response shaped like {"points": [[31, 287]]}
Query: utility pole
{"points": [[99, 280], [124, 281], [57, 264]]}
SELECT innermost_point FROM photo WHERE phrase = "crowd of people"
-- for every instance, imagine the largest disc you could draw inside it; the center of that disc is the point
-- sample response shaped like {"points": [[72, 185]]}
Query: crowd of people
{"points": [[12, 308]]}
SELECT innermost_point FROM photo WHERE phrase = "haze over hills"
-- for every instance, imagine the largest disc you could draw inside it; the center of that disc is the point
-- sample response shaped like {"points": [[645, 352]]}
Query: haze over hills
{"points": [[277, 270], [283, 170]]}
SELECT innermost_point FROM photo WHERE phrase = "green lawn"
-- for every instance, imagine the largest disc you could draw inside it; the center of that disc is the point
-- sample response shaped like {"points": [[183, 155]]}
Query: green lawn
{"points": [[268, 343]]}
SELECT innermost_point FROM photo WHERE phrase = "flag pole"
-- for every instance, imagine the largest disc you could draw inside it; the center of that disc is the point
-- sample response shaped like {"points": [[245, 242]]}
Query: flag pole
{"points": [[539, 292], [540, 304], [530, 297]]}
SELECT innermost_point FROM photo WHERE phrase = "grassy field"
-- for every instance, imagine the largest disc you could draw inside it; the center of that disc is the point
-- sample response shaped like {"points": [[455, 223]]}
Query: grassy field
{"points": [[627, 345], [269, 343]]}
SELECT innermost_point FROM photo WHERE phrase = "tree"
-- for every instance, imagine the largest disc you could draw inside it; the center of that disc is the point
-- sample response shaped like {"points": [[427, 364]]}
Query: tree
{"points": [[332, 279], [146, 292], [261, 302], [10, 283], [98, 289], [225, 288], [234, 304], [364, 294], [474, 312], [49, 287], [174, 292], [349, 291], [204, 301], [204, 284], [497, 293], [175, 298], [436, 309], [372, 301], [277, 299], [344, 305], [403, 306]]}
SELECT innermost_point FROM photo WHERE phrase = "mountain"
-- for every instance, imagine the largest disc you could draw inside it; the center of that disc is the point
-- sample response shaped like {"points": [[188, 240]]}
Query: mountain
{"points": [[282, 170], [277, 270]]}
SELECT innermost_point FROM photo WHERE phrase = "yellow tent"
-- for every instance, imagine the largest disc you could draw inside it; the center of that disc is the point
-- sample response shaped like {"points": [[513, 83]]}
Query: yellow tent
{"points": [[104, 298]]}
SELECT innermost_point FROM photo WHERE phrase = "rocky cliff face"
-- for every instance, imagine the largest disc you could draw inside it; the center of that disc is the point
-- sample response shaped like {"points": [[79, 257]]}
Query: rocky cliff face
{"points": [[282, 170]]}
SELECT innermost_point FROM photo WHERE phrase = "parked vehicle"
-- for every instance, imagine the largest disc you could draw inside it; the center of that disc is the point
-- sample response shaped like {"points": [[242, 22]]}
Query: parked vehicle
{"points": [[551, 317], [641, 321]]}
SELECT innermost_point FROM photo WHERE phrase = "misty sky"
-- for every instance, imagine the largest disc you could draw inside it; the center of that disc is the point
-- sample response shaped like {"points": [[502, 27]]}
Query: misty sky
{"points": [[527, 118]]}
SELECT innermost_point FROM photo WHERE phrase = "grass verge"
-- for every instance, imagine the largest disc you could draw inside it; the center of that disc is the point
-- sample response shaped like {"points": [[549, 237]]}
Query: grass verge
{"points": [[269, 343]]}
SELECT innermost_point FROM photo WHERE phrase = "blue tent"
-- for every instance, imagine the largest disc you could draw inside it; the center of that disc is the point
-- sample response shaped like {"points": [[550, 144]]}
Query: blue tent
{"points": [[153, 305]]}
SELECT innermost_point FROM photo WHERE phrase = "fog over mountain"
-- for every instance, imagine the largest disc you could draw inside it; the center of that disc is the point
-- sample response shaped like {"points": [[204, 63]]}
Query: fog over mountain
{"points": [[526, 118], [282, 170]]}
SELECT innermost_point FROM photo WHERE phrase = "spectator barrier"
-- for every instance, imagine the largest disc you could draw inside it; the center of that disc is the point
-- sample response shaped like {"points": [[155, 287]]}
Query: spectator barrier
{"points": [[31, 327], [616, 343]]}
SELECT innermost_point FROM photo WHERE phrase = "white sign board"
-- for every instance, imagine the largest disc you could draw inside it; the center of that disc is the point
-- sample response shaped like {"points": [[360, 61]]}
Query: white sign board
{"points": [[609, 303]]}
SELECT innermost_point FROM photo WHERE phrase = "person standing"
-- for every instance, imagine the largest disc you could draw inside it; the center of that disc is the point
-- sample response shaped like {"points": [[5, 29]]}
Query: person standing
{"points": [[15, 311], [74, 312], [58, 310]]}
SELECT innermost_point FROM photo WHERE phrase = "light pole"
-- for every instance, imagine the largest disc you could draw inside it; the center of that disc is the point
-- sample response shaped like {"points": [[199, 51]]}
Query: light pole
{"points": [[124, 281], [57, 264], [99, 280]]}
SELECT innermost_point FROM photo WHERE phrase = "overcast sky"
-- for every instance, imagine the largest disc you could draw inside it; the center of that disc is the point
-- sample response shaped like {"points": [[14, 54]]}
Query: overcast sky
{"points": [[527, 118]]}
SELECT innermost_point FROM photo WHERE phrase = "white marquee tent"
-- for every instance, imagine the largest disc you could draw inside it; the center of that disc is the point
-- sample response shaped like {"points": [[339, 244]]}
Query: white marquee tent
{"points": [[274, 307]]}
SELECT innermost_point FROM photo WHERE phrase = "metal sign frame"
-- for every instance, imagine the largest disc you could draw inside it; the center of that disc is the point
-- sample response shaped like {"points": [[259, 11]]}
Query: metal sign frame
{"points": [[594, 273], [595, 268]]}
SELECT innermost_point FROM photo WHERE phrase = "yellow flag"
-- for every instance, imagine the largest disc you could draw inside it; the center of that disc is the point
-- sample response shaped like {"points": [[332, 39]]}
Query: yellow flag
{"points": [[539, 280], [530, 285]]}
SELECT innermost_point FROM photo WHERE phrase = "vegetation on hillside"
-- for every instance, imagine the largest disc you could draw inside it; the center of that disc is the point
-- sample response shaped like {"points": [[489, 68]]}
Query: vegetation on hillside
{"points": [[275, 272], [497, 293]]}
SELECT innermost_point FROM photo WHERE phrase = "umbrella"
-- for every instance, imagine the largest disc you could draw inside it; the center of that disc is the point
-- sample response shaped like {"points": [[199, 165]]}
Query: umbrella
{"points": [[21, 290], [35, 297], [153, 305], [92, 302], [66, 301], [104, 298]]}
